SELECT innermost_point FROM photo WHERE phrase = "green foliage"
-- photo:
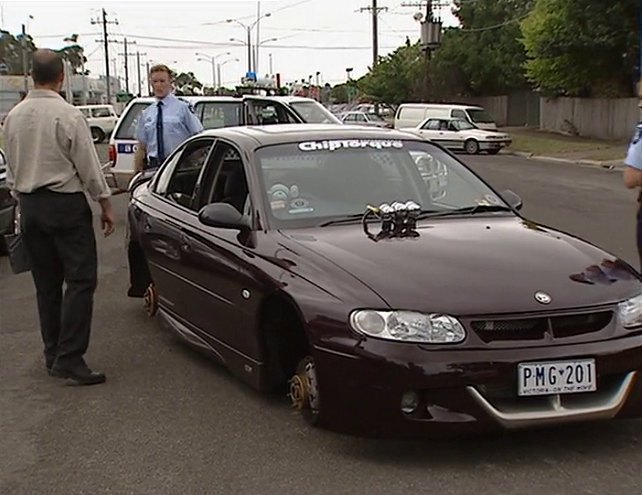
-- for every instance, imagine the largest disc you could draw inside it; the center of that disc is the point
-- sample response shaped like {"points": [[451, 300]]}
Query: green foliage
{"points": [[11, 52], [397, 78], [582, 48]]}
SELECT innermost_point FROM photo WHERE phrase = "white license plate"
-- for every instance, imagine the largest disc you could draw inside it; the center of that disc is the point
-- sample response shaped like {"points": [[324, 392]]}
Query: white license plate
{"points": [[556, 377]]}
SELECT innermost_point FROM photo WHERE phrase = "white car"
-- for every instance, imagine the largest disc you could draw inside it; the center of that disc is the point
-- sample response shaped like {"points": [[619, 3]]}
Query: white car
{"points": [[460, 135], [101, 119]]}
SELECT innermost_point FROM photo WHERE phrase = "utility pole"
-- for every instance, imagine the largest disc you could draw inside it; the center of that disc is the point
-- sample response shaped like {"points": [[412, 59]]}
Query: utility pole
{"points": [[140, 89], [126, 54], [105, 41], [374, 11], [23, 45]]}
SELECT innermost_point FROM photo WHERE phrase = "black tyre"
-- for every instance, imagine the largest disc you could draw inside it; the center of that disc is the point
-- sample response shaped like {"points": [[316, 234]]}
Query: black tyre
{"points": [[97, 134]]}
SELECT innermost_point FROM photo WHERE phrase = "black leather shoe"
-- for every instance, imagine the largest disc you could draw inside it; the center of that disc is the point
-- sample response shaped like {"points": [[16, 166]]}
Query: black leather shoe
{"points": [[133, 292], [82, 375]]}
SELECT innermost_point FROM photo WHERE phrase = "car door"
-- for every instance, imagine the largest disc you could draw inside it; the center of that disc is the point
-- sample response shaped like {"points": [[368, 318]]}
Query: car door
{"points": [[430, 130], [161, 225], [216, 255]]}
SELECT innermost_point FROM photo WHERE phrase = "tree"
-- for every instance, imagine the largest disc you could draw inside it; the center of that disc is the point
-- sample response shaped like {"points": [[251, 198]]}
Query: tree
{"points": [[582, 48], [11, 52], [396, 78], [75, 55], [187, 83], [484, 56]]}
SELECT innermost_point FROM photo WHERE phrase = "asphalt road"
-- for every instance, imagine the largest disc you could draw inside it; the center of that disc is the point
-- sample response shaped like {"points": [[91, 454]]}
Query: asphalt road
{"points": [[169, 421]]}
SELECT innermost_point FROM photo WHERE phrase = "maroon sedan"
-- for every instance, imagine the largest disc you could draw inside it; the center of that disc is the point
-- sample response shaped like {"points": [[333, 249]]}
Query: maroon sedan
{"points": [[382, 285]]}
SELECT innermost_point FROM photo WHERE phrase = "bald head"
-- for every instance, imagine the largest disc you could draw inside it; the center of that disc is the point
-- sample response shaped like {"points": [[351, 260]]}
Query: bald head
{"points": [[47, 68]]}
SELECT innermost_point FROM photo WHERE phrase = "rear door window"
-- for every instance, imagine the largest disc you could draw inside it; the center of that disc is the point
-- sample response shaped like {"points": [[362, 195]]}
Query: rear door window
{"points": [[129, 122], [215, 115]]}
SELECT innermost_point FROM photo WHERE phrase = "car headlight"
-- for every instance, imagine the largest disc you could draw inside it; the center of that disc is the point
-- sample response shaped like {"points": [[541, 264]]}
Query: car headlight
{"points": [[630, 312], [408, 326]]}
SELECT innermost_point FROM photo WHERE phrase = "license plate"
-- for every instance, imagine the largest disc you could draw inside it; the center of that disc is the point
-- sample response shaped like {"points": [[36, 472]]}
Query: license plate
{"points": [[556, 377]]}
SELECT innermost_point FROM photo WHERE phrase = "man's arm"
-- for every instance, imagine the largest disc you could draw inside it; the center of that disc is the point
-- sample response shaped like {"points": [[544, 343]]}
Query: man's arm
{"points": [[192, 122], [85, 159], [632, 177], [139, 157]]}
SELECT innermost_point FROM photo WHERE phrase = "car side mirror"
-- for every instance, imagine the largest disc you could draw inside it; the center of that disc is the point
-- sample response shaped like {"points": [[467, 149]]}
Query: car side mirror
{"points": [[222, 216], [512, 199]]}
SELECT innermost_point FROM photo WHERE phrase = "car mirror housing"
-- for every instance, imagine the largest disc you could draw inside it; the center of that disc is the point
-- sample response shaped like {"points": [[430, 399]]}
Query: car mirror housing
{"points": [[222, 216], [512, 199]]}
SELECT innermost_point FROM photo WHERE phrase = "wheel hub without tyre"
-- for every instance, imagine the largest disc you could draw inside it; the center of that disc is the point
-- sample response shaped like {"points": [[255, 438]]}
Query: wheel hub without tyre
{"points": [[151, 300], [304, 392]]}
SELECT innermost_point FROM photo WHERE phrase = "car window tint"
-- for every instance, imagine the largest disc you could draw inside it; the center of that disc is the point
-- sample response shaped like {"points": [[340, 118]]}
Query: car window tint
{"points": [[225, 180], [129, 121], [459, 114], [215, 115], [432, 125], [182, 184], [267, 113]]}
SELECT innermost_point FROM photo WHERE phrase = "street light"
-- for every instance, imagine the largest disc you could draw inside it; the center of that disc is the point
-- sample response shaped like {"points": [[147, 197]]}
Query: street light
{"points": [[224, 62], [248, 30], [212, 60]]}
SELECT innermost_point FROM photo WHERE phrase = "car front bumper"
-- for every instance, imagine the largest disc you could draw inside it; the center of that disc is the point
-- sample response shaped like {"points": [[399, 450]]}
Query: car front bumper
{"points": [[465, 392], [494, 145]]}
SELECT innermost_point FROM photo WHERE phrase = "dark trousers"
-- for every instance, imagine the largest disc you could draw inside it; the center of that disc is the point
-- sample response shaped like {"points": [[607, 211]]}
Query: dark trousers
{"points": [[139, 276], [639, 234], [59, 236]]}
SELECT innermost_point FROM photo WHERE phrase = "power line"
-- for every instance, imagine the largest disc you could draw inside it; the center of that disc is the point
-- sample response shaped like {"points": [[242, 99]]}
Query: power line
{"points": [[104, 22]]}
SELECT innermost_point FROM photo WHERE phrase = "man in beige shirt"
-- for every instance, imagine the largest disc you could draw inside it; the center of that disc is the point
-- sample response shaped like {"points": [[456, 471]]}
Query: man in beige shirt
{"points": [[52, 163]]}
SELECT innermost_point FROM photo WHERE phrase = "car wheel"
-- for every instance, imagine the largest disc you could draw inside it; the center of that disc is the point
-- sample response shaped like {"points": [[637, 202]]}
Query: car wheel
{"points": [[304, 391], [97, 134], [493, 152], [471, 147], [150, 300]]}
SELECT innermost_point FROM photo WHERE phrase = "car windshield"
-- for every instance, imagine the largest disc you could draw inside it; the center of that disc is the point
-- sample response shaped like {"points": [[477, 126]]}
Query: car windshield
{"points": [[311, 182], [462, 125], [480, 116], [313, 112]]}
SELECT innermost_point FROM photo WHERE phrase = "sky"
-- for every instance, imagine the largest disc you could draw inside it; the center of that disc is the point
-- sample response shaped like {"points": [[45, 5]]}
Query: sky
{"points": [[301, 37]]}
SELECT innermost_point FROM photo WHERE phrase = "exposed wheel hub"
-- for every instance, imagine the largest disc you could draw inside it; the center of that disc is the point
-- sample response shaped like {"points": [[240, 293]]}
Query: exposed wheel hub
{"points": [[151, 300], [304, 392]]}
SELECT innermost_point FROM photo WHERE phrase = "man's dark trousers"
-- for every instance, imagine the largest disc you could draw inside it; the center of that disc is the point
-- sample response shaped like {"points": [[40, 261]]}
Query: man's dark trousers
{"points": [[59, 236]]}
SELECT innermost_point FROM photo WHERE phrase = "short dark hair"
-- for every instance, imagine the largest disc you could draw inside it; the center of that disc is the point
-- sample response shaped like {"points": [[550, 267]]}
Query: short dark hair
{"points": [[47, 67], [160, 68]]}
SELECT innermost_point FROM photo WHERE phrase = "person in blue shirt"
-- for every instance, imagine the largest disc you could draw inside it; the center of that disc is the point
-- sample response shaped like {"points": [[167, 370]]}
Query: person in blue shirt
{"points": [[633, 178], [162, 127]]}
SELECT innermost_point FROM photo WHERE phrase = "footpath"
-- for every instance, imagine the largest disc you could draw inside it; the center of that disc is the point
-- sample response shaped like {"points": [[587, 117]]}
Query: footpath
{"points": [[542, 145]]}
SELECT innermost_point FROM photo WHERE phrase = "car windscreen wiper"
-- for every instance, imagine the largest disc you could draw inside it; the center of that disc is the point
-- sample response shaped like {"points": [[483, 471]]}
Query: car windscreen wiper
{"points": [[344, 219], [466, 210]]}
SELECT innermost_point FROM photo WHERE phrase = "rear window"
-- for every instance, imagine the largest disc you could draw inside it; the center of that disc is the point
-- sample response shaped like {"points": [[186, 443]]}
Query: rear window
{"points": [[215, 115], [129, 121]]}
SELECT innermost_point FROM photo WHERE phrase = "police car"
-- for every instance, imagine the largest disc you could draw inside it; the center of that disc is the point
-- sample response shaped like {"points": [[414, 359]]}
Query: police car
{"points": [[214, 112]]}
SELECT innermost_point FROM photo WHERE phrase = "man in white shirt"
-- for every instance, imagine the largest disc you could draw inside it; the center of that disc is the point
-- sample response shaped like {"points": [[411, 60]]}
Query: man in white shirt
{"points": [[52, 163]]}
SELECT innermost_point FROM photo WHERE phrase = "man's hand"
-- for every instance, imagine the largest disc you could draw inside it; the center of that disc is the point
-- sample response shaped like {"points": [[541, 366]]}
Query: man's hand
{"points": [[107, 222], [632, 177]]}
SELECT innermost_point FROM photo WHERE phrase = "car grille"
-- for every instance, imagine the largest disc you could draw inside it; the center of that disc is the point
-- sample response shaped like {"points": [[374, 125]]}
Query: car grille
{"points": [[559, 327]]}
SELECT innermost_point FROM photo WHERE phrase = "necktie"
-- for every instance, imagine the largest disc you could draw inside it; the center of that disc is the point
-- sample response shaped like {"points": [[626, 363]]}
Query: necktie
{"points": [[159, 133]]}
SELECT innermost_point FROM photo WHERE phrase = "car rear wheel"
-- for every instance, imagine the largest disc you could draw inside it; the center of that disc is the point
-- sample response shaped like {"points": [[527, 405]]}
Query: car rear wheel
{"points": [[471, 147], [97, 134], [304, 391]]}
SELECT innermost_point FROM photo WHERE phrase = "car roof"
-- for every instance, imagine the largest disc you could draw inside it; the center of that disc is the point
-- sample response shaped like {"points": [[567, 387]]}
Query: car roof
{"points": [[197, 99], [440, 105], [289, 133]]}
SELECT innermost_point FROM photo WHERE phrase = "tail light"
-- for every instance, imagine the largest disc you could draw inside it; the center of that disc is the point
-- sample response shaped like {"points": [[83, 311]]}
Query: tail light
{"points": [[112, 154]]}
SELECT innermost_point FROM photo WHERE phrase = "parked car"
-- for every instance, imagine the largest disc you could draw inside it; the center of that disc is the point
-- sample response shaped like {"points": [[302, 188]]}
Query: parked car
{"points": [[101, 119], [363, 118], [461, 135], [411, 114], [215, 112], [7, 204], [330, 259]]}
